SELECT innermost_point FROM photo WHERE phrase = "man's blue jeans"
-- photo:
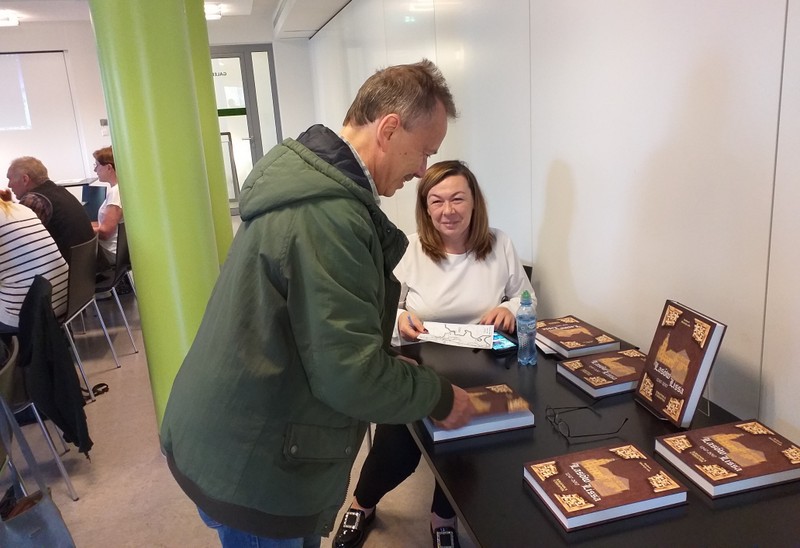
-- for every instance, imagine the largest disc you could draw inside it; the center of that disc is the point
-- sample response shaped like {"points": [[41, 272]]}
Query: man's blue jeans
{"points": [[234, 538]]}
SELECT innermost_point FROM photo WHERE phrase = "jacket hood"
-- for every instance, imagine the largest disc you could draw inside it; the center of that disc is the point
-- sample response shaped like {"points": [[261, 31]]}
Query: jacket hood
{"points": [[292, 172]]}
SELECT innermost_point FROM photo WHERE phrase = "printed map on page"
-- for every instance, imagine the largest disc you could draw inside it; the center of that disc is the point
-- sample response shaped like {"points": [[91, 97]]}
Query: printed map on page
{"points": [[457, 334]]}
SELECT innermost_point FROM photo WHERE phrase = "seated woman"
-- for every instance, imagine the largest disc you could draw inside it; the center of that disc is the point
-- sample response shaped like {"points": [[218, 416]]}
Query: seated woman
{"points": [[455, 269], [26, 249], [110, 213]]}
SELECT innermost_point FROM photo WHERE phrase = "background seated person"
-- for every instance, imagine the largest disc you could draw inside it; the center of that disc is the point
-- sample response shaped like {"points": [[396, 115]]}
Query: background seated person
{"points": [[110, 213], [61, 213], [26, 249], [456, 269]]}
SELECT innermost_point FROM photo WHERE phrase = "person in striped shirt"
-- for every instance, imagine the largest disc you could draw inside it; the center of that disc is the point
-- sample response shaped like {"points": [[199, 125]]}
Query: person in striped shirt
{"points": [[26, 249]]}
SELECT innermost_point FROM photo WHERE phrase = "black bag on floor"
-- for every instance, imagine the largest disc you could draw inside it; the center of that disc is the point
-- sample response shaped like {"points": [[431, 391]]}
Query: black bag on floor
{"points": [[35, 520]]}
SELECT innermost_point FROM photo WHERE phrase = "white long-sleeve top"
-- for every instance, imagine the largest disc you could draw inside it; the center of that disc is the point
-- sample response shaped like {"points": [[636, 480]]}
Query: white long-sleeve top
{"points": [[461, 289]]}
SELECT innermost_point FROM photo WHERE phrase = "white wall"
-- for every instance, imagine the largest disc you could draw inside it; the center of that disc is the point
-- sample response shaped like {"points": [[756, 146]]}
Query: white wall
{"points": [[240, 30], [293, 79], [653, 154], [628, 147], [781, 374]]}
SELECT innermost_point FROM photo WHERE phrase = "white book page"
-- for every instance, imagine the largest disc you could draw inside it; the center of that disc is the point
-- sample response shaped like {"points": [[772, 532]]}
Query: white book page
{"points": [[459, 334]]}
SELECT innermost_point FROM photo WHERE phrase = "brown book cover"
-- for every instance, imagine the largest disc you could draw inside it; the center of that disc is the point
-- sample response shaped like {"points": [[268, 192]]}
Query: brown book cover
{"points": [[606, 373], [684, 347], [602, 484], [498, 408], [731, 458], [572, 337]]}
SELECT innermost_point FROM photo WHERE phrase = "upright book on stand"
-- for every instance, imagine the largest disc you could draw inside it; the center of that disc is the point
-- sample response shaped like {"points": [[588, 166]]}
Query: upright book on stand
{"points": [[603, 484], [730, 458], [498, 408], [606, 373], [684, 347], [571, 337]]}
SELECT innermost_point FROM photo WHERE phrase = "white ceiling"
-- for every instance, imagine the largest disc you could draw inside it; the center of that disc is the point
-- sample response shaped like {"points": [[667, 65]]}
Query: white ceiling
{"points": [[290, 18]]}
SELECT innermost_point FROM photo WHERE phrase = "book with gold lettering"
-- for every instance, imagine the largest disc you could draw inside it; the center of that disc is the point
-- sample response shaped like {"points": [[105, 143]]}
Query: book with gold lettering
{"points": [[606, 373], [571, 337], [498, 408], [602, 484], [684, 347], [731, 458]]}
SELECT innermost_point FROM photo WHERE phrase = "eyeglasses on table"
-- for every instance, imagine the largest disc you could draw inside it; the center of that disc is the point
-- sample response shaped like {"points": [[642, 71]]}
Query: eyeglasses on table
{"points": [[554, 417]]}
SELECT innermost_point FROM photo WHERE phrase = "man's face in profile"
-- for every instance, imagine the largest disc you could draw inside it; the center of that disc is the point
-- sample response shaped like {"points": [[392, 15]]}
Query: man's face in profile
{"points": [[407, 152]]}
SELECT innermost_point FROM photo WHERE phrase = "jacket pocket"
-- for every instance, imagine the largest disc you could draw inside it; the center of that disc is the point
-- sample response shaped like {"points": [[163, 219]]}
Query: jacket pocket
{"points": [[313, 443]]}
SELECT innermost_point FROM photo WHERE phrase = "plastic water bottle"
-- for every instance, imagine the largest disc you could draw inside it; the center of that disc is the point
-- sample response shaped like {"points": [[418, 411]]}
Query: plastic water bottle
{"points": [[526, 331]]}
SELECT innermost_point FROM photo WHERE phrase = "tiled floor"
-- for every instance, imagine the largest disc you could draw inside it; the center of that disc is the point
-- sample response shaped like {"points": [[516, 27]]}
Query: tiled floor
{"points": [[127, 495]]}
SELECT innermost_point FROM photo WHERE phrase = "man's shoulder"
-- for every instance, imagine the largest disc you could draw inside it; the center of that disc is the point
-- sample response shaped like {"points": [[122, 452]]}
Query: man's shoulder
{"points": [[39, 204]]}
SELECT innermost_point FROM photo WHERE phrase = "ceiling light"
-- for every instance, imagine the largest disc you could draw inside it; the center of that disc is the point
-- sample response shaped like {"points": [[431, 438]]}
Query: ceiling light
{"points": [[213, 12], [8, 19]]}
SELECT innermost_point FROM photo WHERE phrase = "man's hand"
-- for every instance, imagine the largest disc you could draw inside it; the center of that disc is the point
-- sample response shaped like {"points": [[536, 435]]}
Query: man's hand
{"points": [[462, 410], [502, 319]]}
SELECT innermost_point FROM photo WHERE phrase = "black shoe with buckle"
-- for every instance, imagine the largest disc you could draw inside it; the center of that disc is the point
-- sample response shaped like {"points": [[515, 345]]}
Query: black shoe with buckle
{"points": [[445, 537], [353, 529]]}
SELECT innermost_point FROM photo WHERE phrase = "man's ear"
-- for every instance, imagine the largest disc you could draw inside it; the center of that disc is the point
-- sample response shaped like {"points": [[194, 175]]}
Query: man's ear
{"points": [[387, 126]]}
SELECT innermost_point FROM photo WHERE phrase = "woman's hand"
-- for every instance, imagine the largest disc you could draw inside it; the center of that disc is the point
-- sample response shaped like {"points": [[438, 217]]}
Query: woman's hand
{"points": [[410, 326], [502, 319]]}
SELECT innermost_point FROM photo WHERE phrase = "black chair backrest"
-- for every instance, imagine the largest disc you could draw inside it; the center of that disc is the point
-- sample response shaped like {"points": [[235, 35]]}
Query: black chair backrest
{"points": [[82, 269], [123, 252]]}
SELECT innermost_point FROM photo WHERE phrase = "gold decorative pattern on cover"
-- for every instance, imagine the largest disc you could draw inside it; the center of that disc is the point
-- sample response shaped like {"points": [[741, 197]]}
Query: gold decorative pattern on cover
{"points": [[605, 339], [572, 344], [517, 404], [545, 469], [568, 319], [793, 454], [700, 332], [671, 316], [673, 408], [628, 452], [499, 389], [755, 428], [715, 471], [572, 365], [573, 502], [679, 443], [646, 387], [631, 353], [598, 381], [662, 482]]}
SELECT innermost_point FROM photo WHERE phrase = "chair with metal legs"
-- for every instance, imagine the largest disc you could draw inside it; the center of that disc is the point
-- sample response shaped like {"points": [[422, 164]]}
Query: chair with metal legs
{"points": [[12, 389], [82, 273], [107, 281]]}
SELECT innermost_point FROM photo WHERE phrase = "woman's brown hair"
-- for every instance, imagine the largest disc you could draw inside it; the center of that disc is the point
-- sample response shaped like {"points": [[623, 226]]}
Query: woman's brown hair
{"points": [[480, 239], [104, 157]]}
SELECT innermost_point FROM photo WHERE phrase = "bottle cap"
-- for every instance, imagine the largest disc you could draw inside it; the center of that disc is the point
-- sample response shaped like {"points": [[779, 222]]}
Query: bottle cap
{"points": [[526, 298]]}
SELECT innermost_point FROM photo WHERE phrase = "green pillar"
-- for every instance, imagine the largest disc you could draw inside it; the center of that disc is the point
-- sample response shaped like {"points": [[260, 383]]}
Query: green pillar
{"points": [[149, 88], [209, 125]]}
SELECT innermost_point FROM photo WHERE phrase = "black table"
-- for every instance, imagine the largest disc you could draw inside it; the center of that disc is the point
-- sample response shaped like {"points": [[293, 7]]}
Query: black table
{"points": [[482, 476]]}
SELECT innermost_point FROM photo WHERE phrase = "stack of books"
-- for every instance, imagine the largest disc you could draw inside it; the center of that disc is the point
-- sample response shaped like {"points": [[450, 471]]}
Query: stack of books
{"points": [[571, 337], [731, 458], [603, 484]]}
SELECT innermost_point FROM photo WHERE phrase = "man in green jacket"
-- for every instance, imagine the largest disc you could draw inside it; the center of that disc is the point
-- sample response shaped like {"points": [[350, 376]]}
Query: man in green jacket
{"points": [[292, 359]]}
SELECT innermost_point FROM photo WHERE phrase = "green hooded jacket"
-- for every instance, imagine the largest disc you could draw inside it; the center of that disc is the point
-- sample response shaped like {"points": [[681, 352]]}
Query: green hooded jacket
{"points": [[291, 360]]}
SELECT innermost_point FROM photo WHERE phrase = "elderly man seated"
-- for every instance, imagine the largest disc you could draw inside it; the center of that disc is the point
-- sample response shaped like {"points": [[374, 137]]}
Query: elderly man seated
{"points": [[60, 212]]}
